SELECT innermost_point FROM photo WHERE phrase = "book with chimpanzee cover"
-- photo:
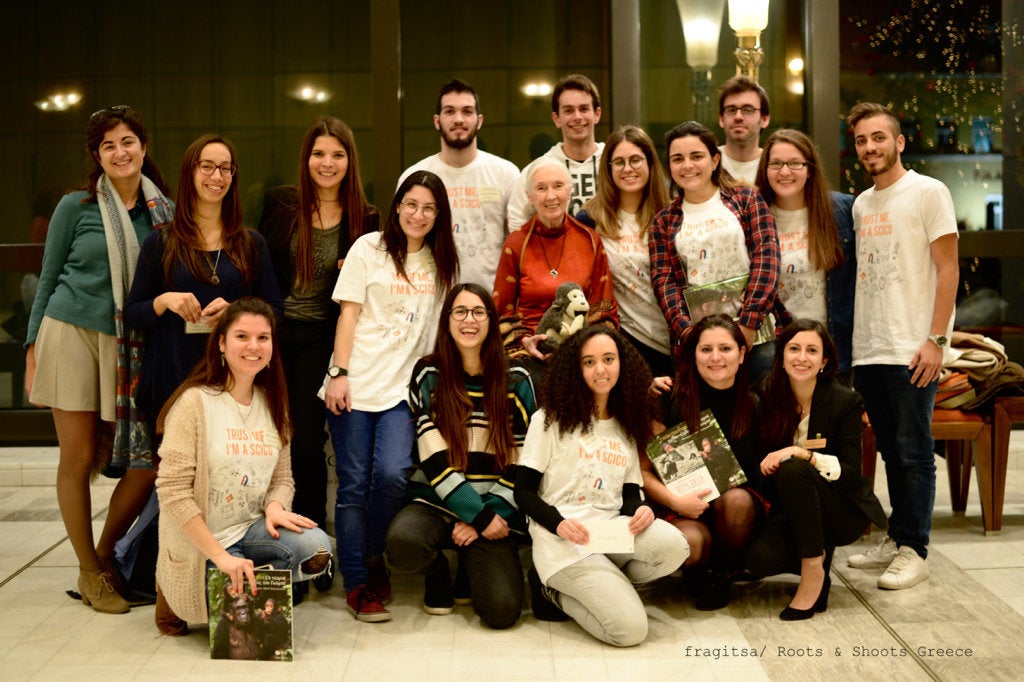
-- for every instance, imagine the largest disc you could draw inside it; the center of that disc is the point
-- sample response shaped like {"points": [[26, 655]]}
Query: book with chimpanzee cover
{"points": [[690, 462], [724, 298], [248, 626]]}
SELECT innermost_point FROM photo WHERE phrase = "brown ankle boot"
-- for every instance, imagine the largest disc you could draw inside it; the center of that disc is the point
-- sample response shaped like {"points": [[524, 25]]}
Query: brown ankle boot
{"points": [[97, 589], [166, 621]]}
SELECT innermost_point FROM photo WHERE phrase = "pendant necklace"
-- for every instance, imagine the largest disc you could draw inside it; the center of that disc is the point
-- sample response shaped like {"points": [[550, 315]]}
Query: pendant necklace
{"points": [[249, 409], [553, 271], [214, 277]]}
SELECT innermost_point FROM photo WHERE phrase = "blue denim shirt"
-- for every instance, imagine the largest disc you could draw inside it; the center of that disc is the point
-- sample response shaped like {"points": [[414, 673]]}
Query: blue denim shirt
{"points": [[841, 282]]}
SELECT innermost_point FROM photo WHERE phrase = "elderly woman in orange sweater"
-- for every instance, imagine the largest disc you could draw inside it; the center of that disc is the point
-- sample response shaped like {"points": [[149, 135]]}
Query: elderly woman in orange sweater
{"points": [[551, 249]]}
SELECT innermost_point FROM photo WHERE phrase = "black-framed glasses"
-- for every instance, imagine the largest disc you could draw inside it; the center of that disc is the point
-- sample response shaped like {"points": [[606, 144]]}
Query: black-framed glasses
{"points": [[208, 167], [636, 161], [410, 207], [746, 110], [791, 165], [461, 312], [116, 109]]}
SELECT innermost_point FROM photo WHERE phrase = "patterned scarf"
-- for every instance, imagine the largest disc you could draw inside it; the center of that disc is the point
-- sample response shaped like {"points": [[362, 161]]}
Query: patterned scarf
{"points": [[132, 441]]}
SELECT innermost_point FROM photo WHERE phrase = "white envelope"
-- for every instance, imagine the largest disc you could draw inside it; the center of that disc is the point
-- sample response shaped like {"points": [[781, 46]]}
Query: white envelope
{"points": [[609, 536]]}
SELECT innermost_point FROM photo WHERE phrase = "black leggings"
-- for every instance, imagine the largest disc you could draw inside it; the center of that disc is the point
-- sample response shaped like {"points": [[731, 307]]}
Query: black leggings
{"points": [[809, 516]]}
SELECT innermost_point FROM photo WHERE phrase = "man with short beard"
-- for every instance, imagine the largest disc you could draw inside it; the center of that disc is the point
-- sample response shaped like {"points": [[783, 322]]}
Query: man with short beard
{"points": [[479, 184], [907, 277]]}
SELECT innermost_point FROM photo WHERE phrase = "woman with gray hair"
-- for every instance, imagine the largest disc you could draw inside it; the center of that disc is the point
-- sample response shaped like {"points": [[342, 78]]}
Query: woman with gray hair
{"points": [[549, 250]]}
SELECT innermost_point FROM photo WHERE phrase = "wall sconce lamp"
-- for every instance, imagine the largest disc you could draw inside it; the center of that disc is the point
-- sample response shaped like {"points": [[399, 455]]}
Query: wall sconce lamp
{"points": [[702, 26], [59, 102], [311, 94], [748, 18], [536, 90]]}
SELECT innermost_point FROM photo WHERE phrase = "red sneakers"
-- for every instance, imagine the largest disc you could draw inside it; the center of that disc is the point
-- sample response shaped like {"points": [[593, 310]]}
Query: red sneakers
{"points": [[366, 605]]}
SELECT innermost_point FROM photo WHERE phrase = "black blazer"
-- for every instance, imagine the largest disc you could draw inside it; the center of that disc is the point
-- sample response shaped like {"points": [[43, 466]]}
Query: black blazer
{"points": [[836, 415]]}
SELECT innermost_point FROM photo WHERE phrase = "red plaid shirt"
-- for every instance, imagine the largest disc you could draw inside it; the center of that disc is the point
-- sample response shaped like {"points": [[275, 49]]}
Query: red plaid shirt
{"points": [[669, 276]]}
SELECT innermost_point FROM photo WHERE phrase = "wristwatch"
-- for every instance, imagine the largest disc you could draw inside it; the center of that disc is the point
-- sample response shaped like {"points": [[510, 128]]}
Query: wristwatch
{"points": [[939, 340], [335, 371]]}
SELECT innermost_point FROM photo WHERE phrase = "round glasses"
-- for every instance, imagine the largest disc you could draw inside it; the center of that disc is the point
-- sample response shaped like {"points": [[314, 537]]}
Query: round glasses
{"points": [[208, 167], [409, 208], [791, 165], [636, 161], [460, 312]]}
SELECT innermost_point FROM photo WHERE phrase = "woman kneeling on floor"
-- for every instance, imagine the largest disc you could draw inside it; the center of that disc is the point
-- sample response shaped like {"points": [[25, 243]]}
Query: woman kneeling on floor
{"points": [[212, 479], [471, 411], [580, 466]]}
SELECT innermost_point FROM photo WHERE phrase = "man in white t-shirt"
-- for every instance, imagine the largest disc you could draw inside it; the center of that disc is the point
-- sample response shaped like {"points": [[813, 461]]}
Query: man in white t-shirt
{"points": [[907, 277], [479, 184], [576, 111], [743, 112]]}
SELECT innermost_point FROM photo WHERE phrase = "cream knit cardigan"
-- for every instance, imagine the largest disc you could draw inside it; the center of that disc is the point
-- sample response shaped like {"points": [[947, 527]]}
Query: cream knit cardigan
{"points": [[183, 486]]}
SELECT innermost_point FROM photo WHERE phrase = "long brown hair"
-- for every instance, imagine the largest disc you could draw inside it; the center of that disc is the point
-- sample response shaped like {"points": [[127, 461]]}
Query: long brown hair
{"points": [[108, 119], [823, 246], [439, 239], [604, 207], [351, 197], [211, 371], [686, 387], [450, 405], [183, 240], [781, 411]]}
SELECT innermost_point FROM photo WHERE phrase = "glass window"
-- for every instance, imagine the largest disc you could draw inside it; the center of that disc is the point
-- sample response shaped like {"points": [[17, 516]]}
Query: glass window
{"points": [[943, 72], [678, 85]]}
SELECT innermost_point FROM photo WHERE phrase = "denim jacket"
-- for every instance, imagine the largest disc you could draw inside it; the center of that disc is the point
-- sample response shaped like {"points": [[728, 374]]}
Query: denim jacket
{"points": [[841, 282]]}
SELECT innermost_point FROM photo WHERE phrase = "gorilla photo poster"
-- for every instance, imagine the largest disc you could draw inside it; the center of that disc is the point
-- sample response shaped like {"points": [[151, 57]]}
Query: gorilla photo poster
{"points": [[251, 627]]}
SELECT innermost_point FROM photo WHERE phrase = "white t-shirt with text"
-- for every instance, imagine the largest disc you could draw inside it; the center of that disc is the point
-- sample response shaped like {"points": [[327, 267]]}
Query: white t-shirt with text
{"points": [[582, 477], [896, 276], [479, 194]]}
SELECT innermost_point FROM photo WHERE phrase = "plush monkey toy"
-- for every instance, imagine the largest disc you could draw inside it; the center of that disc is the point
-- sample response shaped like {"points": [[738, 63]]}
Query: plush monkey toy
{"points": [[566, 316]]}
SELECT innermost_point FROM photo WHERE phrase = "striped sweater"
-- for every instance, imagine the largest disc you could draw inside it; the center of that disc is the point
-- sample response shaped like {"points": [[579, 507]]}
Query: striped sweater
{"points": [[476, 494]]}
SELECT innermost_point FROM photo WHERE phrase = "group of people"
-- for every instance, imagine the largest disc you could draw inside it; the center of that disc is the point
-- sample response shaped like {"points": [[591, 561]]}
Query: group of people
{"points": [[459, 427]]}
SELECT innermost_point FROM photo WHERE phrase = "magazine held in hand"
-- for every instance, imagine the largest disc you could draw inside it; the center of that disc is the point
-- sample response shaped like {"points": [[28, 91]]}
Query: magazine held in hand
{"points": [[690, 462], [250, 627], [725, 298]]}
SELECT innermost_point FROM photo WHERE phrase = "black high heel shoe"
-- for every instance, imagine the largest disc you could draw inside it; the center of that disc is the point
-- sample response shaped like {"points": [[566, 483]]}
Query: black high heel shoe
{"points": [[820, 606]]}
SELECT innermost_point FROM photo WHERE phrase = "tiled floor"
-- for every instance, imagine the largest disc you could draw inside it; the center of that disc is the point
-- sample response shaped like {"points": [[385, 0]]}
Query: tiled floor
{"points": [[974, 601]]}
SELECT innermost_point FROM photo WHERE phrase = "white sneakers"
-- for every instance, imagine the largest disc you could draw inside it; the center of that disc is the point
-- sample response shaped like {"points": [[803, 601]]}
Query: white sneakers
{"points": [[878, 556], [906, 570], [903, 566]]}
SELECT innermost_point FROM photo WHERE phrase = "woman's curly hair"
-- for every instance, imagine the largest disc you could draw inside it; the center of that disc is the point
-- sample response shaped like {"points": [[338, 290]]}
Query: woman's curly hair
{"points": [[567, 400]]}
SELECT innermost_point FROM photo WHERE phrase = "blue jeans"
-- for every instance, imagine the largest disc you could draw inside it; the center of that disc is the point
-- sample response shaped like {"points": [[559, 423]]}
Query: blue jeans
{"points": [[284, 553], [901, 416], [373, 455]]}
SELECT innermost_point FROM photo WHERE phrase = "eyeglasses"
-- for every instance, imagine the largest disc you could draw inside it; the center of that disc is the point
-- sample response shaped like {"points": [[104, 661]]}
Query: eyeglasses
{"points": [[459, 313], [746, 110], [791, 165], [410, 207], [208, 167], [634, 162], [117, 109]]}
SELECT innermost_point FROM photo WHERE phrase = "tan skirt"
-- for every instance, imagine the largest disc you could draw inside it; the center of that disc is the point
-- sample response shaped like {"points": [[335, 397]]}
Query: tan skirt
{"points": [[76, 369]]}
